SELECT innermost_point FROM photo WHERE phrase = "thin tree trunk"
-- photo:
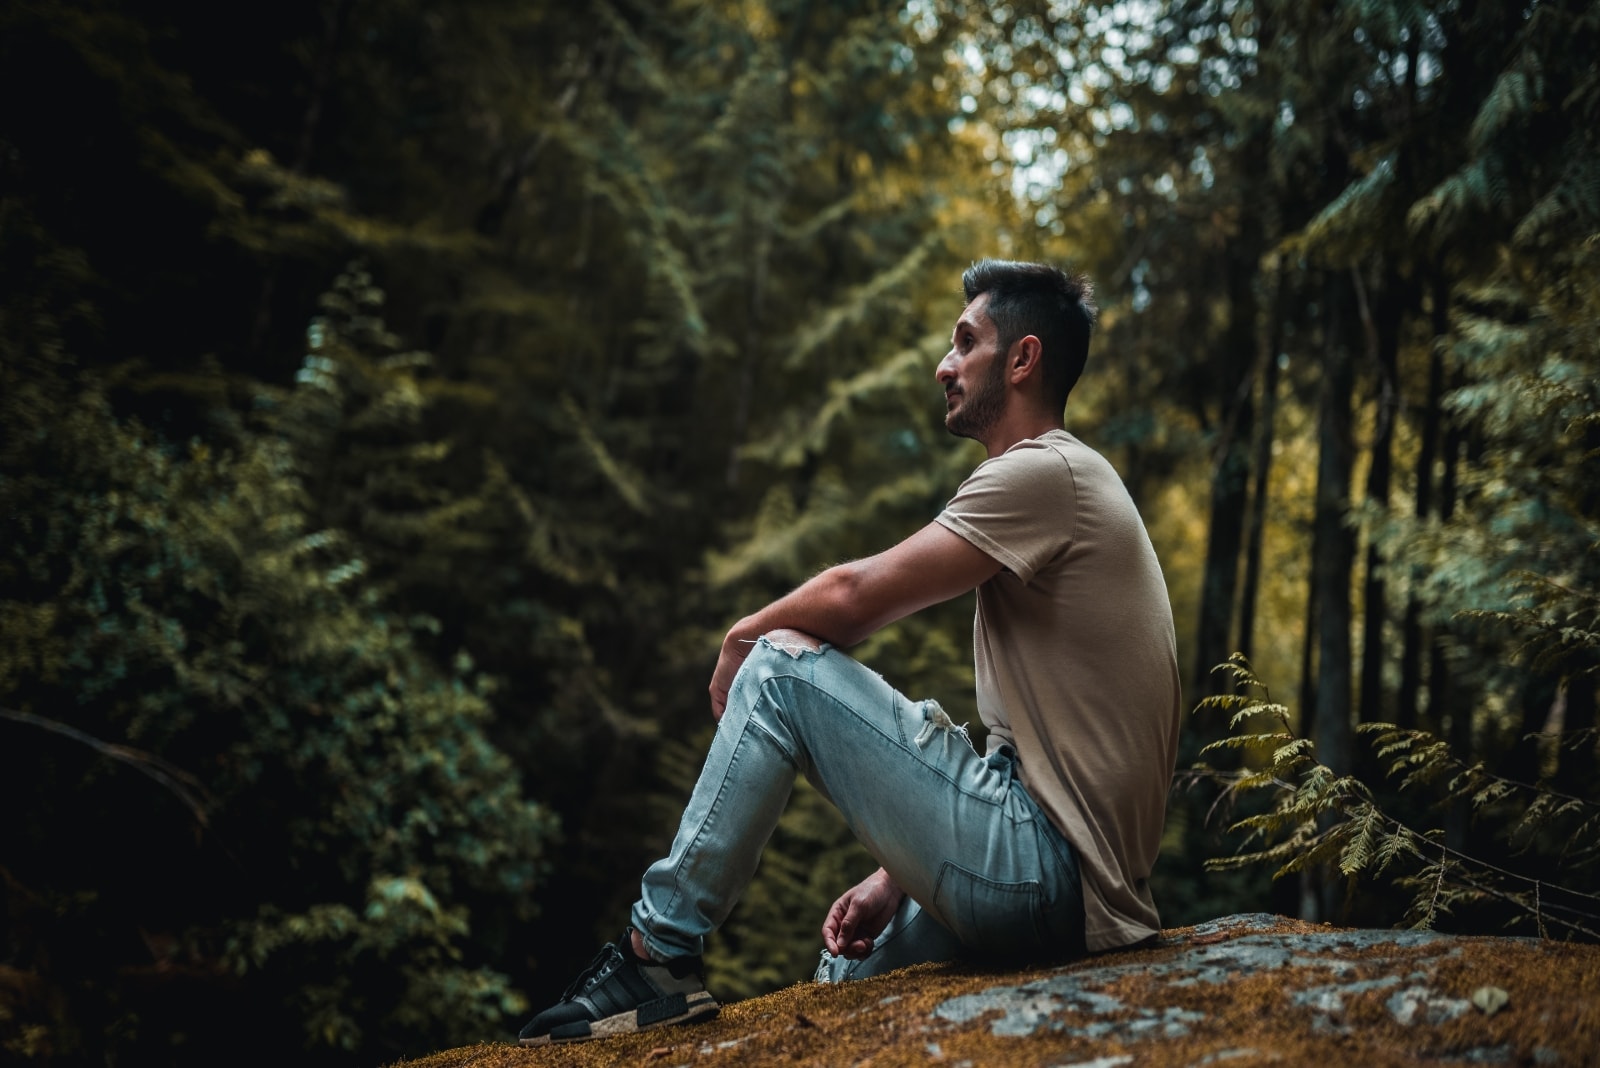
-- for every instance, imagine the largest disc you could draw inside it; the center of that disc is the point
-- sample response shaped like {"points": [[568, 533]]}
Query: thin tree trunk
{"points": [[1534, 700], [1310, 904], [1335, 556], [1412, 638], [1383, 345], [1255, 533], [1450, 712], [1230, 476]]}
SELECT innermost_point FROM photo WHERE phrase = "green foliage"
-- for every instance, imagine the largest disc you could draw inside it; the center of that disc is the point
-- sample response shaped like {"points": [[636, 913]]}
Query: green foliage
{"points": [[1320, 819], [175, 607]]}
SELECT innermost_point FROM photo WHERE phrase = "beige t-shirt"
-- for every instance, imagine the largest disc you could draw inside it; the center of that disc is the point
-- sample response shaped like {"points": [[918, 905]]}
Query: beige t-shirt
{"points": [[1077, 666]]}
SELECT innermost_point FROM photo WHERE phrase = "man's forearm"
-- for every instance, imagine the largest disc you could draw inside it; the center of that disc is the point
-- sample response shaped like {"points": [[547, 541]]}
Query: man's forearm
{"points": [[825, 607]]}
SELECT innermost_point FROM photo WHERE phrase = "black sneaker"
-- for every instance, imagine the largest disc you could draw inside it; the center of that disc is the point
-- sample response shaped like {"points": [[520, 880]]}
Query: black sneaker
{"points": [[618, 994]]}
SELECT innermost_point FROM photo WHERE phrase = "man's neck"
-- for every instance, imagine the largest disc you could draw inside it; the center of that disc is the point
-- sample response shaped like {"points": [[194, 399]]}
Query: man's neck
{"points": [[1023, 426]]}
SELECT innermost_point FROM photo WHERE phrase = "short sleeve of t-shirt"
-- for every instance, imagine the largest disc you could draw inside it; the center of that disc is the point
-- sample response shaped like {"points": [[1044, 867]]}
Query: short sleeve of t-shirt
{"points": [[1019, 507]]}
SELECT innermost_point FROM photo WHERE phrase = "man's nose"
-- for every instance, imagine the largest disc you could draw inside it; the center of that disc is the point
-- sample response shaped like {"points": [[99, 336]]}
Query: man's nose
{"points": [[946, 371]]}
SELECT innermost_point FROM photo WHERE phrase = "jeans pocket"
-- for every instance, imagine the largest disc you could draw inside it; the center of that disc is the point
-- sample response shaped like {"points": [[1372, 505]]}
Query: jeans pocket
{"points": [[992, 919]]}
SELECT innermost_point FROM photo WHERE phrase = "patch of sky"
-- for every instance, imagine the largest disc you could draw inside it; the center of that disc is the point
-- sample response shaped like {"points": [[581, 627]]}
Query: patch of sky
{"points": [[1428, 68], [1047, 217], [1038, 163], [1043, 99], [1027, 33], [1200, 166], [1218, 74], [1141, 292], [970, 57], [922, 16]]}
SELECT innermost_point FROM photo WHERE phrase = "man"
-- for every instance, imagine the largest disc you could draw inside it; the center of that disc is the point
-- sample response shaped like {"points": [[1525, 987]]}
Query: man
{"points": [[1040, 849]]}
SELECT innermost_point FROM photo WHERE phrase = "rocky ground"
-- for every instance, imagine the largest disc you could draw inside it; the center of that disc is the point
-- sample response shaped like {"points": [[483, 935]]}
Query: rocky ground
{"points": [[1238, 991]]}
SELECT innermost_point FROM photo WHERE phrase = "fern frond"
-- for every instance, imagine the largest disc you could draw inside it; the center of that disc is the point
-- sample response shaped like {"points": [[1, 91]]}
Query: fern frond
{"points": [[1293, 753], [1249, 741]]}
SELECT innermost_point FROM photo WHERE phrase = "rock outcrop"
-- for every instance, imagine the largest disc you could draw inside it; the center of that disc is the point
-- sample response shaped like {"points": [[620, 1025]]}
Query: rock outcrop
{"points": [[1239, 991]]}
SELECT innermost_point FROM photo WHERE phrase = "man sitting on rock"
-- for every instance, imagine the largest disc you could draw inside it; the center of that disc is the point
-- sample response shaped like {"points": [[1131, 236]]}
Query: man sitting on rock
{"points": [[1040, 849]]}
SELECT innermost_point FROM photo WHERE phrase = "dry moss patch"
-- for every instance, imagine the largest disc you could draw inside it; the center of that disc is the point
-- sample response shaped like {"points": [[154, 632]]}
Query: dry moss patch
{"points": [[1236, 992]]}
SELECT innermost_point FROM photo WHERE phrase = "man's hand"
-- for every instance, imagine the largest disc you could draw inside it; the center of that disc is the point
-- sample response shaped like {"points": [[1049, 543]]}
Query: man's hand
{"points": [[860, 915], [729, 660]]}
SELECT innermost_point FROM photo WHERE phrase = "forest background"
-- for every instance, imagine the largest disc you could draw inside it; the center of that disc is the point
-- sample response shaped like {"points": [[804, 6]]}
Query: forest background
{"points": [[398, 400]]}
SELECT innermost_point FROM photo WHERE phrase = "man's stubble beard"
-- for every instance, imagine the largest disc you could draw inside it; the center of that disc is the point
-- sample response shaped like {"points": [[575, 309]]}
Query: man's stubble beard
{"points": [[981, 405]]}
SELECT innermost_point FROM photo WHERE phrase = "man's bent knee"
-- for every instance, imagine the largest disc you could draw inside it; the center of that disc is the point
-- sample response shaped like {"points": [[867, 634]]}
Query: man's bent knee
{"points": [[793, 642]]}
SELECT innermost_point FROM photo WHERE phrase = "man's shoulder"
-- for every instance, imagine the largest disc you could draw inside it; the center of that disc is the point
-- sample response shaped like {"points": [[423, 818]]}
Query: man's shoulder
{"points": [[1050, 455], [1029, 465]]}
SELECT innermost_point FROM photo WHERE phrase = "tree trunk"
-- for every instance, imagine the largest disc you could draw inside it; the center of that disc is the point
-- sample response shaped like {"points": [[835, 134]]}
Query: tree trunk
{"points": [[1382, 325], [1230, 475], [1335, 556], [1450, 712], [1256, 531], [1412, 638], [1534, 700]]}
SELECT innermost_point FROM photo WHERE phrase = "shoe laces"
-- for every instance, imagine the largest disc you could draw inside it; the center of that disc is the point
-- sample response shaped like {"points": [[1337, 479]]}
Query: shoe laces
{"points": [[604, 963]]}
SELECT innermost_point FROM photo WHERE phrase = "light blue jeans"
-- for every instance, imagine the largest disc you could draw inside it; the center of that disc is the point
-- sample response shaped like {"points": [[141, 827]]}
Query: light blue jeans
{"points": [[986, 873]]}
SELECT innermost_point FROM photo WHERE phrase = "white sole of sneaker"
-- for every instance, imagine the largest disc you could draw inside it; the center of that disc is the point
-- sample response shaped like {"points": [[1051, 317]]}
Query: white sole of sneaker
{"points": [[664, 1013]]}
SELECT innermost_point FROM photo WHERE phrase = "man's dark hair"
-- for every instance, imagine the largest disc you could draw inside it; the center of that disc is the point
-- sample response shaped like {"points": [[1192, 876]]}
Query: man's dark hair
{"points": [[1047, 302]]}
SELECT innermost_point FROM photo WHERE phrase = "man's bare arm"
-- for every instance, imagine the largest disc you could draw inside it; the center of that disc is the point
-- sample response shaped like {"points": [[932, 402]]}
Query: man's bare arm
{"points": [[850, 601]]}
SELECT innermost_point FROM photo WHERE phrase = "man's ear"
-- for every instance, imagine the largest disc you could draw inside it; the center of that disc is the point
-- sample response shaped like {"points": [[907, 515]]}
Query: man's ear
{"points": [[1025, 360]]}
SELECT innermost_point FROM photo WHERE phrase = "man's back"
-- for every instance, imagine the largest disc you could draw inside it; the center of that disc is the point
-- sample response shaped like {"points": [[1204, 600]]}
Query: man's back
{"points": [[1076, 662]]}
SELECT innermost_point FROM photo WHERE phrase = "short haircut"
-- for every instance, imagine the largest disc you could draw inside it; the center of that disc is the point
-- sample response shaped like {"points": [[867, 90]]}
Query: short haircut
{"points": [[1034, 298]]}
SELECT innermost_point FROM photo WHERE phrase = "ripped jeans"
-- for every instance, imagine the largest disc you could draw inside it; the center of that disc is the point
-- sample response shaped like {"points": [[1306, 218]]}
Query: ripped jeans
{"points": [[985, 872]]}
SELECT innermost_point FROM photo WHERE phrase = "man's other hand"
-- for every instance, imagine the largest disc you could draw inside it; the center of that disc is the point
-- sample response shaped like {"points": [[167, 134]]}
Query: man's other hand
{"points": [[860, 915]]}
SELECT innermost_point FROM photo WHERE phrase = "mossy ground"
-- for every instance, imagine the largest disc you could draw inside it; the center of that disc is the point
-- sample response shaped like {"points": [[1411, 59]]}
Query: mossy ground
{"points": [[1553, 1016]]}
